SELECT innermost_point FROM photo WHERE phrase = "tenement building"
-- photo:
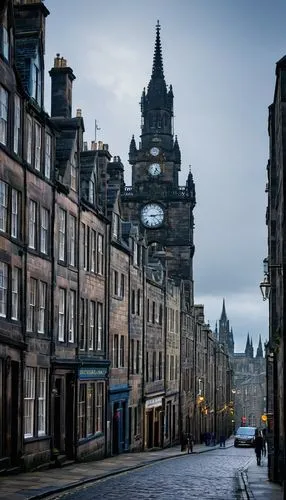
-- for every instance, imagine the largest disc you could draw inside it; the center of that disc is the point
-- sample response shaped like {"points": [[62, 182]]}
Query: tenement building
{"points": [[249, 376], [102, 349], [274, 280]]}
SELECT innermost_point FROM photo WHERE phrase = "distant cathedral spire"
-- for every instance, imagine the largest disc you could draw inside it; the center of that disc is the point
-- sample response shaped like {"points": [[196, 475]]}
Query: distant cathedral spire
{"points": [[225, 334], [259, 352], [223, 312], [157, 70]]}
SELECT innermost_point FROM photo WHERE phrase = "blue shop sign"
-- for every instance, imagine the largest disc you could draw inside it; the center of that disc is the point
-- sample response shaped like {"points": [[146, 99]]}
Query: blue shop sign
{"points": [[93, 373]]}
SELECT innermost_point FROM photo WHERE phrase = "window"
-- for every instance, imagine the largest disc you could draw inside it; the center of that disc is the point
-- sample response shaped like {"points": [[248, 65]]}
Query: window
{"points": [[5, 47], [153, 311], [15, 293], [3, 115], [132, 301], [72, 316], [72, 238], [160, 366], [91, 331], [137, 367], [81, 411], [172, 368], [160, 314], [99, 407], [29, 126], [32, 224], [93, 251], [44, 231], [32, 294], [15, 213], [3, 289], [121, 352], [100, 254], [3, 206], [86, 233], [148, 310], [37, 147], [154, 366], [115, 350], [62, 234], [115, 225], [91, 191], [73, 174], [138, 302], [82, 324], [90, 409], [99, 326], [42, 307], [42, 402], [48, 155], [17, 123], [62, 313], [135, 252], [147, 366], [132, 356], [36, 82], [115, 283], [122, 286], [29, 401]]}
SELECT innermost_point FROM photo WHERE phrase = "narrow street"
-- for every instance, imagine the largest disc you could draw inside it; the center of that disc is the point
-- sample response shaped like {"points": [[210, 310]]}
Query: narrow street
{"points": [[207, 476]]}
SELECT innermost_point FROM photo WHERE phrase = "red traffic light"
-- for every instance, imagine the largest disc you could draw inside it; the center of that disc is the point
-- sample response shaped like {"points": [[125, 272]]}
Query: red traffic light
{"points": [[243, 420]]}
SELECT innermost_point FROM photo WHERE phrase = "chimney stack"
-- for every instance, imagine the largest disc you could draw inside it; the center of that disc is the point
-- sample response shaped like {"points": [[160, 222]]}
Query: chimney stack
{"points": [[62, 77]]}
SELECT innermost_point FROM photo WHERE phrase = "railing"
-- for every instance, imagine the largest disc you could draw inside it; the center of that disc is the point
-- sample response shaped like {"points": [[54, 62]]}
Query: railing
{"points": [[179, 192]]}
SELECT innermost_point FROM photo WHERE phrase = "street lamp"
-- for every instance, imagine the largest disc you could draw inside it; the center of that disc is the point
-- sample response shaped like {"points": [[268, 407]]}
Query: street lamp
{"points": [[265, 285]]}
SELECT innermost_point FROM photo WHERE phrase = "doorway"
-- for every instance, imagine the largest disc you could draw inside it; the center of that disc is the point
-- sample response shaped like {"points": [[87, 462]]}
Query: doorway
{"points": [[115, 428], [14, 410], [150, 429], [57, 413], [69, 420]]}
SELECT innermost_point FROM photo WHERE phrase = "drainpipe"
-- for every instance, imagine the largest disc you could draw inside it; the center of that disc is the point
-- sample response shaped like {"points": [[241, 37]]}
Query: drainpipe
{"points": [[107, 281], [144, 294], [180, 370], [52, 312]]}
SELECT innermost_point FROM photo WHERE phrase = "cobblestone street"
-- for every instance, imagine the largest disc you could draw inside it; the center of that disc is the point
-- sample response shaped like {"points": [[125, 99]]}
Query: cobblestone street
{"points": [[206, 476]]}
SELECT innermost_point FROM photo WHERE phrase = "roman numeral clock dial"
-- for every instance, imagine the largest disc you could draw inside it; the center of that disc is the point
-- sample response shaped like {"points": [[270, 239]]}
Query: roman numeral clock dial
{"points": [[152, 215]]}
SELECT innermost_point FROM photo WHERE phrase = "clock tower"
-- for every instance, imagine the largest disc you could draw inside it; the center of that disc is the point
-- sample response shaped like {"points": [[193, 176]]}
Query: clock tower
{"points": [[162, 207]]}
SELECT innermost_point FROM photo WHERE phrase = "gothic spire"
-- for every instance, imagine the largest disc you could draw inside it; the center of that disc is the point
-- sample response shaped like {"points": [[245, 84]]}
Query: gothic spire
{"points": [[247, 345], [223, 312], [157, 70], [259, 352]]}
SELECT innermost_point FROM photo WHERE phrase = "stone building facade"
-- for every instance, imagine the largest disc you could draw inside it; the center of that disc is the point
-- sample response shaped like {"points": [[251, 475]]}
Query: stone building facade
{"points": [[102, 350]]}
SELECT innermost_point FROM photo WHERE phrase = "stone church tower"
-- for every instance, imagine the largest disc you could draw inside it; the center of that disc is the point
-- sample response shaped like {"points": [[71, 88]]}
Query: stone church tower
{"points": [[225, 333], [156, 201]]}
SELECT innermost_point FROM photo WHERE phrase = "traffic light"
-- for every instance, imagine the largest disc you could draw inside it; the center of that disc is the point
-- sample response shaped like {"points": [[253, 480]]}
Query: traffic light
{"points": [[243, 421]]}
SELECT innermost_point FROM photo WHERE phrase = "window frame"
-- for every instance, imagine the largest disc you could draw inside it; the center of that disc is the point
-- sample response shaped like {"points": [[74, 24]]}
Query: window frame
{"points": [[4, 115], [62, 315], [4, 286]]}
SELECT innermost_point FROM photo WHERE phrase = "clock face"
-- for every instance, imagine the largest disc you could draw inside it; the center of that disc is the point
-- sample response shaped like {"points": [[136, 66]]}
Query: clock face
{"points": [[154, 151], [152, 215], [154, 169]]}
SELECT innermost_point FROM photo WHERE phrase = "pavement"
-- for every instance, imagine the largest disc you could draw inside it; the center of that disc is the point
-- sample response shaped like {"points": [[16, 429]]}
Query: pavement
{"points": [[36, 485]]}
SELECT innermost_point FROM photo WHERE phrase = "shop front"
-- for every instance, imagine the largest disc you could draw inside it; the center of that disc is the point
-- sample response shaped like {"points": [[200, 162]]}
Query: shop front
{"points": [[91, 411], [118, 398], [154, 422]]}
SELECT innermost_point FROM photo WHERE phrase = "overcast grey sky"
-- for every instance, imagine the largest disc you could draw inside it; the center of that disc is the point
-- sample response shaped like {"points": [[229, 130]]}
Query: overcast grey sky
{"points": [[220, 57]]}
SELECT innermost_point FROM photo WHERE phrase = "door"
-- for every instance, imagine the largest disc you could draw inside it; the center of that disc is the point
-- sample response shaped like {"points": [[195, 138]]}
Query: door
{"points": [[57, 414], [150, 429], [115, 428], [14, 410], [69, 419]]}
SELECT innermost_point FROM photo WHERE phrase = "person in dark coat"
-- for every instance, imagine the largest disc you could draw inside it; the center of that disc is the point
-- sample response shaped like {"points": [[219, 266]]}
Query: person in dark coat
{"points": [[258, 446]]}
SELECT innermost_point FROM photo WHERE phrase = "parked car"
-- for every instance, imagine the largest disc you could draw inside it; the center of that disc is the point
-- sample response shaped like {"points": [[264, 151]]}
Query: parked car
{"points": [[245, 436]]}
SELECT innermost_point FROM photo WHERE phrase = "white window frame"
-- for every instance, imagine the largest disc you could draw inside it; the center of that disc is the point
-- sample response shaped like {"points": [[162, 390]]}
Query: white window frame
{"points": [[73, 174], [62, 314], [99, 327], [44, 231], [3, 206], [32, 297], [29, 401], [72, 305], [62, 233], [93, 235], [15, 293], [91, 330], [5, 38], [99, 406], [38, 146], [3, 289], [29, 133], [72, 239], [100, 254], [32, 224], [17, 123], [48, 155], [4, 103], [42, 402], [14, 213], [42, 307]]}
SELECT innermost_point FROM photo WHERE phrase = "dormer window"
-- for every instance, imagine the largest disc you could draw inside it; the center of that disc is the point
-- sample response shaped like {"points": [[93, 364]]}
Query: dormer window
{"points": [[73, 173], [115, 225], [5, 45], [36, 80]]}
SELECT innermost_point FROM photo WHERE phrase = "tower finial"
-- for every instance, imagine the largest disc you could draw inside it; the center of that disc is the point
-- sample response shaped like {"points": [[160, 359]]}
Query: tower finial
{"points": [[157, 69]]}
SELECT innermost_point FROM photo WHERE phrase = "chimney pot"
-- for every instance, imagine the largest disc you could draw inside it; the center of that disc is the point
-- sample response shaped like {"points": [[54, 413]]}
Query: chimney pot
{"points": [[78, 112]]}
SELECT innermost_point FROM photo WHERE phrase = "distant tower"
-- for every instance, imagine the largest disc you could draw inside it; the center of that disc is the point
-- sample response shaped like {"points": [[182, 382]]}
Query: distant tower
{"points": [[259, 352], [225, 334], [249, 347]]}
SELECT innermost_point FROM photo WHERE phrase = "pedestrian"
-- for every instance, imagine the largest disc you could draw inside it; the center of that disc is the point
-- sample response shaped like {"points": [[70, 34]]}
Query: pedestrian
{"points": [[222, 441], [258, 446], [213, 440], [190, 443]]}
